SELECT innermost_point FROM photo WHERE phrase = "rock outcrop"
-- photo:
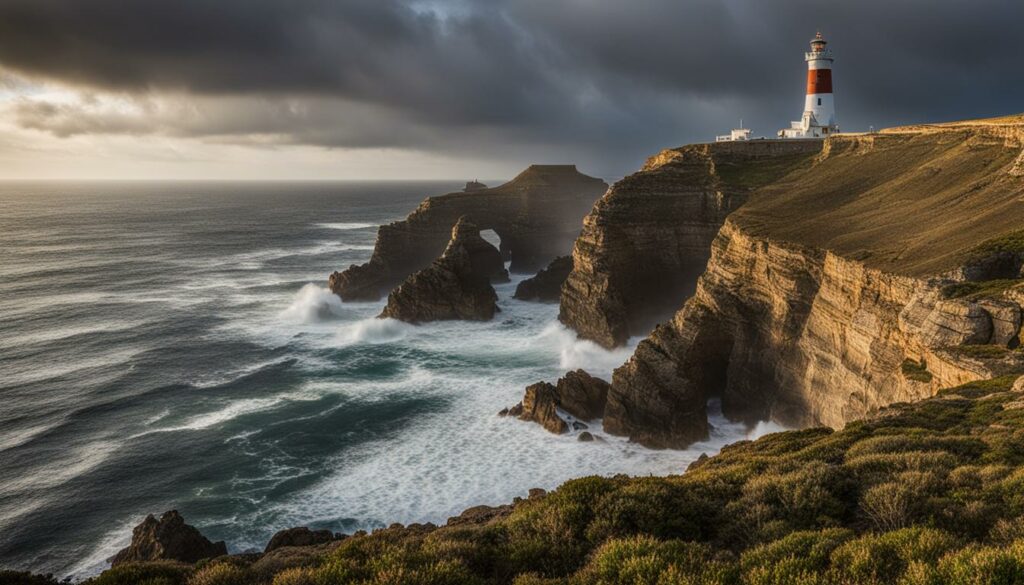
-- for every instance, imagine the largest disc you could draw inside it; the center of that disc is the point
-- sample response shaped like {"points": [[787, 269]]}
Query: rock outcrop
{"points": [[649, 238], [168, 538], [540, 405], [537, 216], [299, 536], [842, 288], [546, 285], [577, 393], [456, 286]]}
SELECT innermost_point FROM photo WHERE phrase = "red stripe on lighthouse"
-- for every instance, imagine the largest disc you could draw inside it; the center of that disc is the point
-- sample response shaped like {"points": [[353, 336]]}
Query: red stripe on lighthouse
{"points": [[819, 81]]}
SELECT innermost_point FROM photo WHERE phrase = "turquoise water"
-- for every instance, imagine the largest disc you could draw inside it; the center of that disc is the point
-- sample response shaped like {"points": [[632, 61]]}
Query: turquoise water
{"points": [[172, 345]]}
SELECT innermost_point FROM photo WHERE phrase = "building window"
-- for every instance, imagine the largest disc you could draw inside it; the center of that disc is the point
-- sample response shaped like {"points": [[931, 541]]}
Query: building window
{"points": [[819, 101]]}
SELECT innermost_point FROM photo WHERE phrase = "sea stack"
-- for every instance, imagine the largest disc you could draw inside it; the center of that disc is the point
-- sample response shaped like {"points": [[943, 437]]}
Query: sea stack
{"points": [[537, 215], [456, 286]]}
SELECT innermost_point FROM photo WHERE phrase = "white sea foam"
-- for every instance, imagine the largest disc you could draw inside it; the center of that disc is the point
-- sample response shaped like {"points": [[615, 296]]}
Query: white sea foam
{"points": [[313, 304], [373, 330], [346, 226]]}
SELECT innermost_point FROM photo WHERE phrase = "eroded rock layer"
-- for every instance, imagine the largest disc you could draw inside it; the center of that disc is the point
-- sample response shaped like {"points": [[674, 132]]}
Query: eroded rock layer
{"points": [[889, 269], [456, 286], [537, 216], [648, 239]]}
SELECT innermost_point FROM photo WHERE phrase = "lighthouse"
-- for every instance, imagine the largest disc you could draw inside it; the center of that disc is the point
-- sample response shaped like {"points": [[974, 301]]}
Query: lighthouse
{"points": [[819, 118]]}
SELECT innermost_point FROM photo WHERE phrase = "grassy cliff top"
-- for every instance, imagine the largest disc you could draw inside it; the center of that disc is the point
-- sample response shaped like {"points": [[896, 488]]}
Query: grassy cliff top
{"points": [[914, 200], [930, 492]]}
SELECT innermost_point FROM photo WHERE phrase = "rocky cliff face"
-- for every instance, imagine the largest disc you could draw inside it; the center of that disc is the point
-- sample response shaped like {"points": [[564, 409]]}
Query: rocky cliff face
{"points": [[537, 215], [648, 239], [168, 538], [456, 286], [546, 286], [887, 270]]}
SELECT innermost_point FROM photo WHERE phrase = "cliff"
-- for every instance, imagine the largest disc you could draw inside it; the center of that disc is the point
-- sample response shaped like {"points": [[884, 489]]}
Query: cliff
{"points": [[647, 240], [455, 286], [886, 269], [536, 215]]}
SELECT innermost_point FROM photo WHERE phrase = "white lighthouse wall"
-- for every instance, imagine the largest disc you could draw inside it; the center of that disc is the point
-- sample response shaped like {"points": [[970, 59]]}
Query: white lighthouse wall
{"points": [[819, 64], [824, 114]]}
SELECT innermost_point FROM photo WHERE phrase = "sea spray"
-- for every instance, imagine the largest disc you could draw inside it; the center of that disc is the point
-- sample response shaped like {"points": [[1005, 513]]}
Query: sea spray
{"points": [[313, 304]]}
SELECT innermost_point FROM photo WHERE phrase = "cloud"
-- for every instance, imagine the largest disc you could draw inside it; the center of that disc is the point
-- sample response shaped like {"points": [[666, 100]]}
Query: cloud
{"points": [[603, 82]]}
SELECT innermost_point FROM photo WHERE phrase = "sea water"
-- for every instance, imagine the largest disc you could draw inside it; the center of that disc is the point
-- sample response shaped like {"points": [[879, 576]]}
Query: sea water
{"points": [[173, 346]]}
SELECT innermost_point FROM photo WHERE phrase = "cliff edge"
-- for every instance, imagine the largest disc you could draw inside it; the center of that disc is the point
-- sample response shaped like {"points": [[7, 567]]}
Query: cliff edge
{"points": [[647, 240], [887, 268]]}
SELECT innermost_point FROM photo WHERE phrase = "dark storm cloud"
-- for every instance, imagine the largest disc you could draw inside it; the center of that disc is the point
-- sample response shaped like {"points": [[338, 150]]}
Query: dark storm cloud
{"points": [[603, 80]]}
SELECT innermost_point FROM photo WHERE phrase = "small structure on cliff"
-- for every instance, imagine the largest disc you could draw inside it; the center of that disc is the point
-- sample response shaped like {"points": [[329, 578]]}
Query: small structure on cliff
{"points": [[473, 185], [737, 135], [819, 117]]}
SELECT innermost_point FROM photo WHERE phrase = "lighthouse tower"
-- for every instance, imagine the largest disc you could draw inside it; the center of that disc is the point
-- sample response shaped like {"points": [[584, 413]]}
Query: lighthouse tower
{"points": [[819, 118]]}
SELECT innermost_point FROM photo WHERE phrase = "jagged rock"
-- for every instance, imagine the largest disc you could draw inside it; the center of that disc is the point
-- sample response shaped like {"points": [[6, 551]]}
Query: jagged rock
{"points": [[540, 405], [578, 426], [168, 538], [818, 289], [547, 284], [1018, 385], [1005, 317], [537, 216], [582, 395], [299, 536], [456, 286], [577, 393], [535, 493], [648, 239]]}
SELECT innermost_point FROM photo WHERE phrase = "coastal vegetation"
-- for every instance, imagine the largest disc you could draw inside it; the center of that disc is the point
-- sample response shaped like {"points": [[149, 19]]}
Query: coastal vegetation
{"points": [[921, 493]]}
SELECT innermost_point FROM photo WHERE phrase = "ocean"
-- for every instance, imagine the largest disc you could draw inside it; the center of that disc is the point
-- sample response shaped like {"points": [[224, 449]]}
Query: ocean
{"points": [[173, 346]]}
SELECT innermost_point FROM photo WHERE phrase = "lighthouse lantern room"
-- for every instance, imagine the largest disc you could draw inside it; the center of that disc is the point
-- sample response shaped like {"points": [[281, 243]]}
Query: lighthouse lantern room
{"points": [[819, 118]]}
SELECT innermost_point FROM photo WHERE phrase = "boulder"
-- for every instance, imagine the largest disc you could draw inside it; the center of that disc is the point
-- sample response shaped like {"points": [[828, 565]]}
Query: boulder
{"points": [[168, 538], [299, 536], [546, 286], [456, 286], [1018, 385], [540, 406], [582, 395], [585, 437]]}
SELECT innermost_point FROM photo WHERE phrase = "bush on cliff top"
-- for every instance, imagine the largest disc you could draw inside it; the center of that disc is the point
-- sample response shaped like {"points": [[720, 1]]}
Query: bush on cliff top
{"points": [[931, 492]]}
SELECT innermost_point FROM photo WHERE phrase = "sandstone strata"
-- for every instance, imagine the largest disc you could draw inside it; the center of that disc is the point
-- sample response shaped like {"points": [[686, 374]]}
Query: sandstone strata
{"points": [[827, 282], [537, 216], [456, 286], [168, 538], [647, 240], [546, 286]]}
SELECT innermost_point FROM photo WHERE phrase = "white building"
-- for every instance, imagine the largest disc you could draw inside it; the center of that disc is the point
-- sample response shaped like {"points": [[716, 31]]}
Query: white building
{"points": [[819, 117], [737, 134]]}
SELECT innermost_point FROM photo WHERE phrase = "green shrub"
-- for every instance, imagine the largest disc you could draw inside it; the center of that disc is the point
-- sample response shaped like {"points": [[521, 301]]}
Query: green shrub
{"points": [[652, 506], [916, 371], [147, 573], [984, 566], [800, 557], [642, 560], [296, 576], [883, 558], [220, 573]]}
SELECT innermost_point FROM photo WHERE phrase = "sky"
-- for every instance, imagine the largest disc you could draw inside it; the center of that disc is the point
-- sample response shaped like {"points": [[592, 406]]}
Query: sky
{"points": [[460, 89]]}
